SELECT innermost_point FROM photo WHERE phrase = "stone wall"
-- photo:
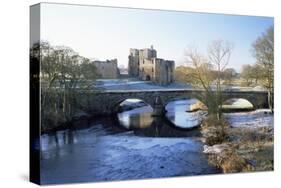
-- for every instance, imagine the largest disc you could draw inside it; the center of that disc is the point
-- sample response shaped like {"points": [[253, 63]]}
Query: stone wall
{"points": [[167, 67], [147, 53], [107, 69], [147, 69]]}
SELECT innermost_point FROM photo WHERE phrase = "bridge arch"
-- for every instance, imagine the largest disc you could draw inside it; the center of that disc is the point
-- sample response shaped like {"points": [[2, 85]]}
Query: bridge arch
{"points": [[128, 103], [237, 104], [257, 99], [193, 103]]}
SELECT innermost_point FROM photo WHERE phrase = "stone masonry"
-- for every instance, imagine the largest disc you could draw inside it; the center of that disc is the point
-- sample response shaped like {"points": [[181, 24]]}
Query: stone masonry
{"points": [[144, 64], [107, 69]]}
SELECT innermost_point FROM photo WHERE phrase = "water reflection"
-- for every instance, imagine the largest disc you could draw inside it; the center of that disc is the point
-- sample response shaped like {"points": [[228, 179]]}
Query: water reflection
{"points": [[161, 127], [140, 118], [136, 118], [178, 115], [57, 140]]}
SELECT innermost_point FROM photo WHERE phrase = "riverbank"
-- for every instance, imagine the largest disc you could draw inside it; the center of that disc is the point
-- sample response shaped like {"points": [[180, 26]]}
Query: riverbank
{"points": [[249, 145]]}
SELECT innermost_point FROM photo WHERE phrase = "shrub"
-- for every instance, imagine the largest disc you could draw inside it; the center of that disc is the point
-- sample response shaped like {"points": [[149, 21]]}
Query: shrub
{"points": [[234, 163], [229, 161], [214, 130]]}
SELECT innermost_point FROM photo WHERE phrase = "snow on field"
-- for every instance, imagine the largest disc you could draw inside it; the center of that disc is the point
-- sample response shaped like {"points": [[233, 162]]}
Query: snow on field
{"points": [[134, 84], [255, 119]]}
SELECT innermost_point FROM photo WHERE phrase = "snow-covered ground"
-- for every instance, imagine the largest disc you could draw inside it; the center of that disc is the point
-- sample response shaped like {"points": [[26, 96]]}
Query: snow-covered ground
{"points": [[134, 84], [254, 119]]}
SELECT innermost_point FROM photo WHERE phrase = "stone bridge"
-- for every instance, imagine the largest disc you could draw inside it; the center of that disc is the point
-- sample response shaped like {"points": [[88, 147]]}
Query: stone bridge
{"points": [[107, 102]]}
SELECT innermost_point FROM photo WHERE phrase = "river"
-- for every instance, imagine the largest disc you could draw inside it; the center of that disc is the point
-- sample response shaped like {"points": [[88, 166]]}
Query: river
{"points": [[132, 145]]}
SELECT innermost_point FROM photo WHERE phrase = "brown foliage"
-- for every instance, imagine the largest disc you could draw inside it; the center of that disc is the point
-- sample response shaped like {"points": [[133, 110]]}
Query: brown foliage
{"points": [[229, 161], [234, 163], [214, 130]]}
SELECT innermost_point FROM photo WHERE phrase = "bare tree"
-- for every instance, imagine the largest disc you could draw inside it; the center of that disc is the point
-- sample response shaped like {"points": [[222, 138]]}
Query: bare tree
{"points": [[247, 75], [228, 75], [256, 73], [219, 53], [201, 75], [63, 71], [201, 72], [208, 71], [263, 51]]}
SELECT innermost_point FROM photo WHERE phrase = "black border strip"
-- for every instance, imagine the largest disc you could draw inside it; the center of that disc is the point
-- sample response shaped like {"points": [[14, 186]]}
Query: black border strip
{"points": [[34, 95]]}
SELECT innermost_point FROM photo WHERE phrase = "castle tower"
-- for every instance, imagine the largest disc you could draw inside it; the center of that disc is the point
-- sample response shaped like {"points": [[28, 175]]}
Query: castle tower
{"points": [[133, 65], [145, 65]]}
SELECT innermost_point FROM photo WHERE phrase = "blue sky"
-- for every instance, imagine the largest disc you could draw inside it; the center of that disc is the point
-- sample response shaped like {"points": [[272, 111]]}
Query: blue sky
{"points": [[107, 33]]}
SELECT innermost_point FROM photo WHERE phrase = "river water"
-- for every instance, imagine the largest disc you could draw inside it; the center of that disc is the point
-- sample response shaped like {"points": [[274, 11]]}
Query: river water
{"points": [[132, 145]]}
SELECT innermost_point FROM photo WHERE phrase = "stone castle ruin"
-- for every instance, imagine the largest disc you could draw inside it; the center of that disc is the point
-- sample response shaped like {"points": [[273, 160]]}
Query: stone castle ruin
{"points": [[144, 64], [107, 69]]}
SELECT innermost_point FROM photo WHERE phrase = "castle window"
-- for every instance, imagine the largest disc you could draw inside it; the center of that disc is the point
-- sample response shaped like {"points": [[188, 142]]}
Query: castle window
{"points": [[152, 69]]}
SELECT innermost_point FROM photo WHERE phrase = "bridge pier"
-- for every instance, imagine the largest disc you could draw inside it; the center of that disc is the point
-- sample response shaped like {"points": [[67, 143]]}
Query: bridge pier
{"points": [[158, 107]]}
